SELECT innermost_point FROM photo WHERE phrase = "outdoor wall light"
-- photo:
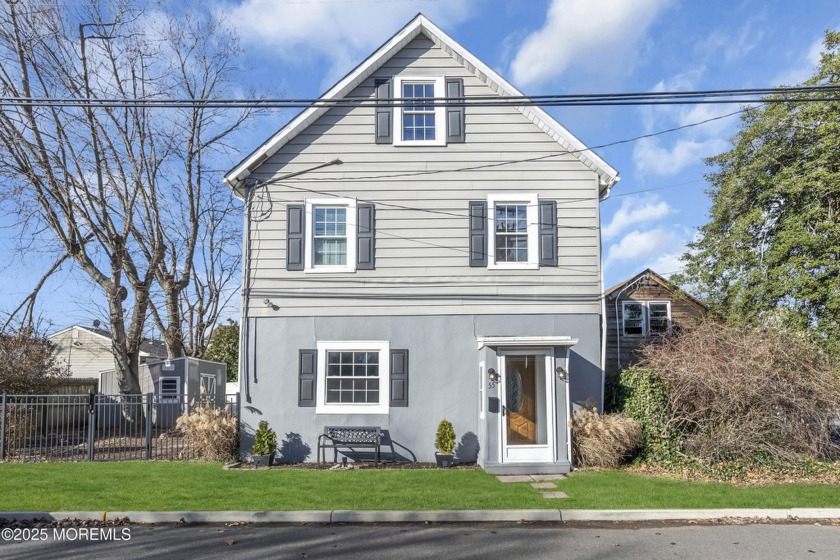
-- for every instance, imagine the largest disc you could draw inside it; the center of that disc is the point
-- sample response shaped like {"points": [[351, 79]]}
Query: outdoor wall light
{"points": [[493, 376], [561, 373]]}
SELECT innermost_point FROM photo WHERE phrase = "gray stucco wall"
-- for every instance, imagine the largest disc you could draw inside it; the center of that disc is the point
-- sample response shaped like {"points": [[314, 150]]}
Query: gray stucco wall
{"points": [[443, 378]]}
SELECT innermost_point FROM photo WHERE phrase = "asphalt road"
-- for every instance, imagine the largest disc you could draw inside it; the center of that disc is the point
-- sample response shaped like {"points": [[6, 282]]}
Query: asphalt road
{"points": [[480, 541]]}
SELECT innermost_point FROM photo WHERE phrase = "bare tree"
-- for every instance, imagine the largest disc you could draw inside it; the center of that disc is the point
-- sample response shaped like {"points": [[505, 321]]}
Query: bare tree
{"points": [[122, 186]]}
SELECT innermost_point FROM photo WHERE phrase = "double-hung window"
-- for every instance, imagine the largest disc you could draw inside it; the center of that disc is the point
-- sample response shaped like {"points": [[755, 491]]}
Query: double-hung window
{"points": [[659, 313], [353, 377], [331, 235], [418, 120], [633, 313], [513, 236]]}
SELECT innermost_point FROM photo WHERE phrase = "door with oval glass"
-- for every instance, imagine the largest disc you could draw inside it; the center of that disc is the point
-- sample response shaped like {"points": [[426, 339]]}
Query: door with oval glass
{"points": [[527, 405]]}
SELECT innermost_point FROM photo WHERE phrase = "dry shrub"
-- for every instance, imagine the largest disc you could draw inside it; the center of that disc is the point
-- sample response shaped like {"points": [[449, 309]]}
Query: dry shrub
{"points": [[747, 394], [603, 440], [211, 433]]}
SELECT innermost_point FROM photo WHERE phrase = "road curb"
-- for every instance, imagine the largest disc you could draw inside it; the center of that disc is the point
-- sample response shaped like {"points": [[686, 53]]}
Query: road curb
{"points": [[431, 516]]}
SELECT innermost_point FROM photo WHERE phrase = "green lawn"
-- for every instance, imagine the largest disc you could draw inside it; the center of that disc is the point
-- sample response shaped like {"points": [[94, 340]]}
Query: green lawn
{"points": [[194, 486]]}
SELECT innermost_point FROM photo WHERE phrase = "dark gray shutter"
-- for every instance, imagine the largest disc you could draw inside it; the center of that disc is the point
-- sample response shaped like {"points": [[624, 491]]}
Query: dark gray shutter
{"points": [[455, 110], [478, 233], [548, 232], [295, 219], [399, 377], [307, 377], [383, 111], [365, 236]]}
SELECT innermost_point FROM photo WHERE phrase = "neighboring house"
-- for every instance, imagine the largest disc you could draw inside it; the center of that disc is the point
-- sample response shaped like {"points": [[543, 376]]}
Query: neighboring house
{"points": [[87, 350], [449, 267], [639, 309]]}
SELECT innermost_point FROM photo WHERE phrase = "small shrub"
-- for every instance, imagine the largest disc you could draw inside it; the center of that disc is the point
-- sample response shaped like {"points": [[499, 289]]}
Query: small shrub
{"points": [[265, 440], [445, 437], [603, 440], [211, 433]]}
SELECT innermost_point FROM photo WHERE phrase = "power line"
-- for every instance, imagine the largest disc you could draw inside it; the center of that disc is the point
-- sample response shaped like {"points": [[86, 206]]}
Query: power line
{"points": [[737, 96]]}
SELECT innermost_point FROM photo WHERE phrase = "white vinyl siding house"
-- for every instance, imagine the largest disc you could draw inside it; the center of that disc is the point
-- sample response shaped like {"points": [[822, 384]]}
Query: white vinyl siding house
{"points": [[394, 245]]}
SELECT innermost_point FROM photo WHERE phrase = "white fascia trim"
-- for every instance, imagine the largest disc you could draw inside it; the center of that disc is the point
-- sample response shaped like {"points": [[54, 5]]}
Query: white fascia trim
{"points": [[532, 200], [308, 243], [440, 111], [608, 176], [384, 349], [494, 341]]}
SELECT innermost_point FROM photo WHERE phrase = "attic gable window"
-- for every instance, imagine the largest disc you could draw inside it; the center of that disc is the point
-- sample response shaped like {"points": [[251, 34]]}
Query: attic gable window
{"points": [[418, 121], [659, 317], [633, 313]]}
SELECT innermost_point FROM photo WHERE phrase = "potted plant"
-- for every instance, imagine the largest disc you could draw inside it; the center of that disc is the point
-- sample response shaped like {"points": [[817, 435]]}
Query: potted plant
{"points": [[444, 443], [265, 443]]}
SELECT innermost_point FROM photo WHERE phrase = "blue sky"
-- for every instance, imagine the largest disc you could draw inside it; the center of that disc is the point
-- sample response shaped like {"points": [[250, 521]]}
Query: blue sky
{"points": [[299, 48]]}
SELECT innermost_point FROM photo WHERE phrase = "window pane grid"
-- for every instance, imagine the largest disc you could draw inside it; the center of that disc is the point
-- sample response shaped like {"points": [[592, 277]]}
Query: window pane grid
{"points": [[330, 235], [418, 111], [633, 318], [511, 226], [352, 377], [658, 318]]}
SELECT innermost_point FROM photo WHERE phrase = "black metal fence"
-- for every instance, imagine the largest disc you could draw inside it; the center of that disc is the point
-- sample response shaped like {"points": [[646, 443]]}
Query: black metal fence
{"points": [[97, 427]]}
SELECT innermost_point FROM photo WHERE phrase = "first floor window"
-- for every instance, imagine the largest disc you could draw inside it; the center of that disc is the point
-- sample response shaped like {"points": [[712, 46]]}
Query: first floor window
{"points": [[634, 318], [659, 313], [353, 377]]}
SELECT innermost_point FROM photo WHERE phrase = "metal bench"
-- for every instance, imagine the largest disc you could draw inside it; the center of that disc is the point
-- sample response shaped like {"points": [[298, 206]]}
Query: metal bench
{"points": [[350, 437]]}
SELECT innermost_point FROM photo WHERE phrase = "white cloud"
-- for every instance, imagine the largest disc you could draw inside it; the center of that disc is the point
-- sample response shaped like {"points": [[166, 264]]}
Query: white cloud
{"points": [[734, 44], [803, 69], [342, 32], [659, 249], [634, 211], [651, 158], [600, 37]]}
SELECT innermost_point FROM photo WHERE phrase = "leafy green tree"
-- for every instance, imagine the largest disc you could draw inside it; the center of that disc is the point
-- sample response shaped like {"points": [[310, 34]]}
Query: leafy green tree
{"points": [[224, 347], [770, 253]]}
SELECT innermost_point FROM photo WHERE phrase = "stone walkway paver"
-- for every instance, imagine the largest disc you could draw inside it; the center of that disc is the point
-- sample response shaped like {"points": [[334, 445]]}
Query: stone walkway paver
{"points": [[529, 477], [540, 485], [552, 495]]}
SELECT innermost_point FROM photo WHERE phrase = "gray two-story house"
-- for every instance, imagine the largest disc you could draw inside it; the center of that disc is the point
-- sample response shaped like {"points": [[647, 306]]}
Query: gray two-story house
{"points": [[420, 244]]}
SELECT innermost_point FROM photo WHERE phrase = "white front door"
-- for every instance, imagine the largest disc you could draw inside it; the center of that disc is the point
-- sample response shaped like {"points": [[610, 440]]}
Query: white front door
{"points": [[528, 411]]}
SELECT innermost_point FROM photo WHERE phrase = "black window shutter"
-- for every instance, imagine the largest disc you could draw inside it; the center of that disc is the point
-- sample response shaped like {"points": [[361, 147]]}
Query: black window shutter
{"points": [[455, 110], [399, 377], [307, 377], [548, 232], [478, 233], [295, 219], [383, 111], [365, 236]]}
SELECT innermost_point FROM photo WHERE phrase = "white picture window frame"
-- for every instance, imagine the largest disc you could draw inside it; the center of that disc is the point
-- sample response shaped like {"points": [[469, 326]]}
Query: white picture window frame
{"points": [[439, 112], [532, 214], [309, 242], [383, 347], [207, 381]]}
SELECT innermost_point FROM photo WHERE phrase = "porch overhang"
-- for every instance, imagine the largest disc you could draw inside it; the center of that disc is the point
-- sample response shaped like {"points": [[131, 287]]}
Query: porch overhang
{"points": [[517, 341]]}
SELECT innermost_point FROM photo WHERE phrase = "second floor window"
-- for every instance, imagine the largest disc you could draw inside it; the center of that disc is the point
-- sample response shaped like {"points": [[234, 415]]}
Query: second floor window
{"points": [[329, 236], [511, 227]]}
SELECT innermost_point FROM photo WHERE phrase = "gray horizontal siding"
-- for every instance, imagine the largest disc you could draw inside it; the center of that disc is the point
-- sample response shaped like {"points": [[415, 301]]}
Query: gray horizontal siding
{"points": [[421, 251]]}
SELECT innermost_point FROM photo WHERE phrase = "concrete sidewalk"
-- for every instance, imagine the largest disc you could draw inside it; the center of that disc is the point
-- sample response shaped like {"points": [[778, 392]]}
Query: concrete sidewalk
{"points": [[434, 516]]}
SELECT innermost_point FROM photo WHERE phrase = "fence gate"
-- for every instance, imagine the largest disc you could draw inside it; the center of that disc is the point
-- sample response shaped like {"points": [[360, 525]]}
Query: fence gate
{"points": [[97, 427]]}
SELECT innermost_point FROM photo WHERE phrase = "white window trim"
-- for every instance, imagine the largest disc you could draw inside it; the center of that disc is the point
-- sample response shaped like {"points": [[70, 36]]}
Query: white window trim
{"points": [[440, 112], [624, 304], [532, 200], [309, 244], [384, 349], [668, 306], [168, 398]]}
